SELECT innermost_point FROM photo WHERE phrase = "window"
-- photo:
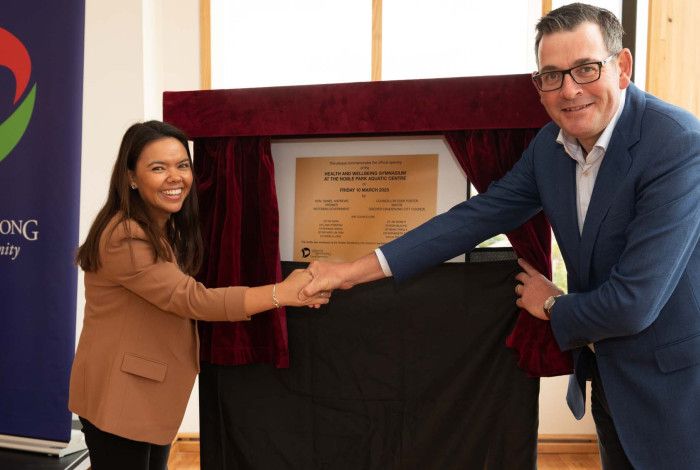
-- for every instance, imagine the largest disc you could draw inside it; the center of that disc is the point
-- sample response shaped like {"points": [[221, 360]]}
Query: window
{"points": [[453, 38], [278, 42]]}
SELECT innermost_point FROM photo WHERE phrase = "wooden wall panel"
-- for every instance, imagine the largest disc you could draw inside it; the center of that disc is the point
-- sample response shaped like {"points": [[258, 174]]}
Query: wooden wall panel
{"points": [[204, 44], [376, 40], [673, 57]]}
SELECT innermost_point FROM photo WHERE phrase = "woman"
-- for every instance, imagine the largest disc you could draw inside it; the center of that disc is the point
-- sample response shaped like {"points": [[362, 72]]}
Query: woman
{"points": [[137, 357]]}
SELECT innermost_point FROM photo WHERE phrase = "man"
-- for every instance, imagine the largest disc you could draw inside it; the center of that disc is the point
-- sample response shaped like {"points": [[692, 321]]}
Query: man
{"points": [[617, 173]]}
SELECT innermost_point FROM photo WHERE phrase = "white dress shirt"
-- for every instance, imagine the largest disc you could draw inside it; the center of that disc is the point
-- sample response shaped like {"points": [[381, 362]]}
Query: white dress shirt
{"points": [[588, 165]]}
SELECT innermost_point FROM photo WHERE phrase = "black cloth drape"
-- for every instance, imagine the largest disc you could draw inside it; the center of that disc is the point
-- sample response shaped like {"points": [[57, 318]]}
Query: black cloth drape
{"points": [[384, 377]]}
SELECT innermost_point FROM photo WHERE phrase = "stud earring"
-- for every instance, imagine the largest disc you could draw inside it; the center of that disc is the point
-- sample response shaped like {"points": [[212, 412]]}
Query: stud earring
{"points": [[133, 185]]}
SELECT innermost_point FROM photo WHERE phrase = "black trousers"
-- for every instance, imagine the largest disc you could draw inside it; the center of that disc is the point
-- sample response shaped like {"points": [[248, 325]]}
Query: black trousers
{"points": [[612, 455], [111, 452]]}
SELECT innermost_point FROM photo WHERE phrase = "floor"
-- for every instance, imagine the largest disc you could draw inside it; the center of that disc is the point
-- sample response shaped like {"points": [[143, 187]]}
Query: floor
{"points": [[190, 461]]}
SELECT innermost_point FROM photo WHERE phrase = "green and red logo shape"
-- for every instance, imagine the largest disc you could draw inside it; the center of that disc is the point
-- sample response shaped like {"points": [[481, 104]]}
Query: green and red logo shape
{"points": [[14, 56]]}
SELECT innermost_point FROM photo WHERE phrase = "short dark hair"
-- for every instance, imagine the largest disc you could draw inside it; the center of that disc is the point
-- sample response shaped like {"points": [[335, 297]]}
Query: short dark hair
{"points": [[569, 17], [182, 230]]}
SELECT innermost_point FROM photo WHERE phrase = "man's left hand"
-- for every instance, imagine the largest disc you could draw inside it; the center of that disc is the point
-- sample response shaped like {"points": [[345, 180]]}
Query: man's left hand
{"points": [[533, 289]]}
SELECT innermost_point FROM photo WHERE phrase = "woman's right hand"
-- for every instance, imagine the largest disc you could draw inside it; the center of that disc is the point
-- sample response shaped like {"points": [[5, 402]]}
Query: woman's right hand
{"points": [[288, 291]]}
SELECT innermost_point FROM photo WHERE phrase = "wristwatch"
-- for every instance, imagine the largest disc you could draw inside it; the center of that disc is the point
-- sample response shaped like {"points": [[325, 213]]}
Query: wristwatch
{"points": [[549, 305]]}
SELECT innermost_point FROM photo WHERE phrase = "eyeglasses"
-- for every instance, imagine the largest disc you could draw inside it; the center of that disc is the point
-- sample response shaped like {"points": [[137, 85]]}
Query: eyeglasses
{"points": [[581, 74]]}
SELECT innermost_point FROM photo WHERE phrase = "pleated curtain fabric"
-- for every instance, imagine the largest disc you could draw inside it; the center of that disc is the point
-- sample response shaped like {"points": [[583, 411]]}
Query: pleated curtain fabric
{"points": [[486, 155], [240, 227]]}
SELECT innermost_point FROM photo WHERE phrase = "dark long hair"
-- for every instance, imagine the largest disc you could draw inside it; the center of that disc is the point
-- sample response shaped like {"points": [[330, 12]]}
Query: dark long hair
{"points": [[182, 229]]}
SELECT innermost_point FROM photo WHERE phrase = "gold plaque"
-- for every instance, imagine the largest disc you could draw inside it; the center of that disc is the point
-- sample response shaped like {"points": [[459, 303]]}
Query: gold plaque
{"points": [[347, 206]]}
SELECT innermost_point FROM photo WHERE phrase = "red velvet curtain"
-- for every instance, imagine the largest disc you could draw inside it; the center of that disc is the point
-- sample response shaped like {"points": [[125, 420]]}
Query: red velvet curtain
{"points": [[486, 155], [240, 227]]}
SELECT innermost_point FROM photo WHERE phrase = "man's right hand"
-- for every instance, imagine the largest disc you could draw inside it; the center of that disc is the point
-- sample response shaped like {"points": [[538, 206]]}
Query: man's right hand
{"points": [[327, 276]]}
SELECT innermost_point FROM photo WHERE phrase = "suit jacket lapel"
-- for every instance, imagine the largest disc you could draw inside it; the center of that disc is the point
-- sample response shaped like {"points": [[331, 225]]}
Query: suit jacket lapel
{"points": [[567, 228]]}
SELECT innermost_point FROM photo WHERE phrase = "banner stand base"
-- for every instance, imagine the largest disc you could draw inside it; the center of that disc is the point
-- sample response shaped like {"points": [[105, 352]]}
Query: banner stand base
{"points": [[41, 446]]}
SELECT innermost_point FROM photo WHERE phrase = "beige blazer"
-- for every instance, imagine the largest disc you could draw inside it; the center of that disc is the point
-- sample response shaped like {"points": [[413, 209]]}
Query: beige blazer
{"points": [[138, 352]]}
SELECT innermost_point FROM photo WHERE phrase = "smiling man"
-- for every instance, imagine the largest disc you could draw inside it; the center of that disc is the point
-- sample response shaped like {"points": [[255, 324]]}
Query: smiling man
{"points": [[580, 80], [617, 173]]}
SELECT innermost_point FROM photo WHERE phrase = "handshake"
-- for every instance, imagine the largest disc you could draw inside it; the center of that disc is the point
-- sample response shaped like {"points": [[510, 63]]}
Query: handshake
{"points": [[314, 285], [306, 287]]}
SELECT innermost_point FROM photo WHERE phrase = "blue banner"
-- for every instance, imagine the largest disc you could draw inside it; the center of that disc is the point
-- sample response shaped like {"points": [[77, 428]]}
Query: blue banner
{"points": [[41, 89]]}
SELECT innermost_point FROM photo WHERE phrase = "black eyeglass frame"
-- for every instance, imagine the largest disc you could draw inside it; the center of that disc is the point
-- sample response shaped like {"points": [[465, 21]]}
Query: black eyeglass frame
{"points": [[562, 73]]}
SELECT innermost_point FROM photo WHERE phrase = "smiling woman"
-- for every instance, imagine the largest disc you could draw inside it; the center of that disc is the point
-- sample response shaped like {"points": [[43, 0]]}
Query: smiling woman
{"points": [[163, 178], [137, 357]]}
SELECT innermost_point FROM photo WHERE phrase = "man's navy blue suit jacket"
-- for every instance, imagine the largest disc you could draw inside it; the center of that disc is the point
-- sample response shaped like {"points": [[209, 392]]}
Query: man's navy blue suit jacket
{"points": [[633, 272]]}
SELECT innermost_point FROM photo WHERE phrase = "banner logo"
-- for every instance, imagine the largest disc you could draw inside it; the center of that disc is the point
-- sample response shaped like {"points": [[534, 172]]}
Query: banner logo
{"points": [[16, 58]]}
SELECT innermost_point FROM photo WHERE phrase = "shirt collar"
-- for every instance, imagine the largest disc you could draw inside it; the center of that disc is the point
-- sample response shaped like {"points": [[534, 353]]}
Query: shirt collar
{"points": [[571, 145]]}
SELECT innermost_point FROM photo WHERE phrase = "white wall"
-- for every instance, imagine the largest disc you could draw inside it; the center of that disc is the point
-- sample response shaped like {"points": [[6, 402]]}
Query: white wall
{"points": [[136, 49]]}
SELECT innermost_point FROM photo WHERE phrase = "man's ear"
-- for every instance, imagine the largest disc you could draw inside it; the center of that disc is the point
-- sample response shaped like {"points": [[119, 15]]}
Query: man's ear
{"points": [[624, 62]]}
